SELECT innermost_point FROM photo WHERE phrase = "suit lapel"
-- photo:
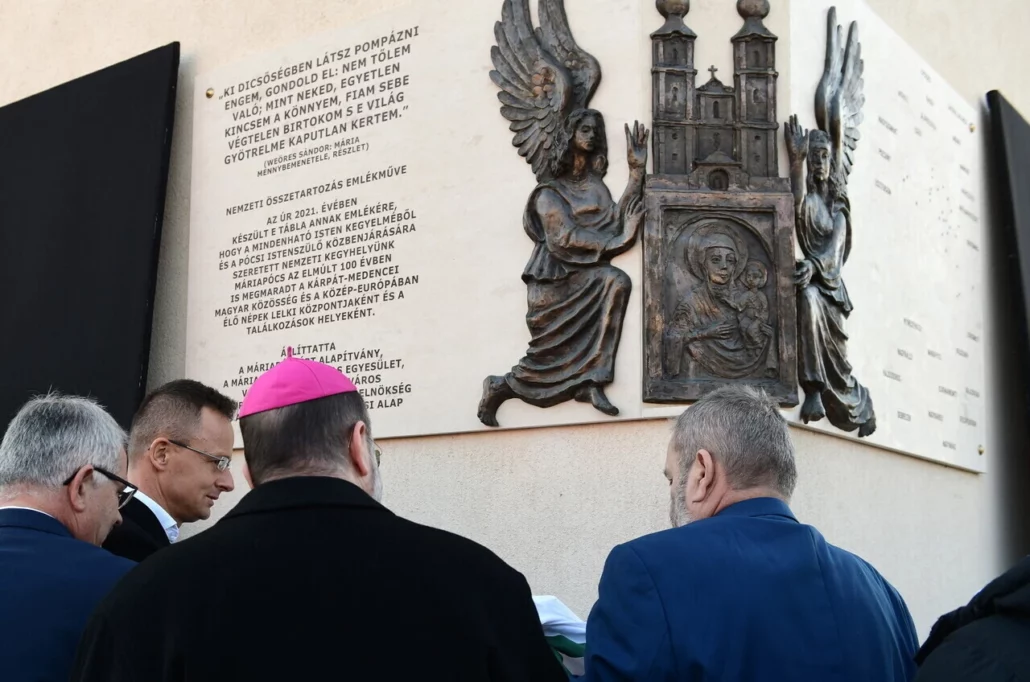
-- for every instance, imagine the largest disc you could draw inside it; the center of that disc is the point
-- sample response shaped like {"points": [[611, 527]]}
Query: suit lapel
{"points": [[144, 519]]}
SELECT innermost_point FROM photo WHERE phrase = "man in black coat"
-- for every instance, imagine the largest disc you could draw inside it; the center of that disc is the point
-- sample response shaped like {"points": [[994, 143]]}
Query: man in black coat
{"points": [[139, 535], [180, 448], [987, 640], [310, 577]]}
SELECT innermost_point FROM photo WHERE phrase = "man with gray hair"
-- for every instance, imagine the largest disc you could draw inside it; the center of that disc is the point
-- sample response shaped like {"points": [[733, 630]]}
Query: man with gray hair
{"points": [[739, 589], [62, 462]]}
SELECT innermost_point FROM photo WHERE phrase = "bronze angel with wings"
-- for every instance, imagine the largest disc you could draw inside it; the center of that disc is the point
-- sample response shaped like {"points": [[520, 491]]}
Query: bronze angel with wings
{"points": [[823, 222], [577, 299]]}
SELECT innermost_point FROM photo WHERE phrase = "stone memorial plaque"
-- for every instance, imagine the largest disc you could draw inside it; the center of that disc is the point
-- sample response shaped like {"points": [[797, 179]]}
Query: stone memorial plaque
{"points": [[357, 197]]}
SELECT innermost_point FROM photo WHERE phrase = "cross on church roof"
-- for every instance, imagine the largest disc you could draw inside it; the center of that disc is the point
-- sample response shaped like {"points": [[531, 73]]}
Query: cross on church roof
{"points": [[712, 71]]}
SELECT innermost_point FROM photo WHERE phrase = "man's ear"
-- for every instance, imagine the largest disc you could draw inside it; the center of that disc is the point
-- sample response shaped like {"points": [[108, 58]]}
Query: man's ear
{"points": [[77, 488], [358, 449], [703, 473], [158, 452]]}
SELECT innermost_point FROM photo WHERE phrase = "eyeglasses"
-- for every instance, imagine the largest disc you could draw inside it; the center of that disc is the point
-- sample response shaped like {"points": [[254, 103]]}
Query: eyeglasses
{"points": [[124, 495], [378, 452], [222, 462]]}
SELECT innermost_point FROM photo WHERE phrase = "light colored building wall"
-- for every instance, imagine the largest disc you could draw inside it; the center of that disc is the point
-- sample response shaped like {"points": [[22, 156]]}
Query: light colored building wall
{"points": [[554, 501]]}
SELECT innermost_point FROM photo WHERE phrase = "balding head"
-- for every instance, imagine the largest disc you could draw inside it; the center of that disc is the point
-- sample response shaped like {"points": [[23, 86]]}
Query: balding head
{"points": [[731, 445]]}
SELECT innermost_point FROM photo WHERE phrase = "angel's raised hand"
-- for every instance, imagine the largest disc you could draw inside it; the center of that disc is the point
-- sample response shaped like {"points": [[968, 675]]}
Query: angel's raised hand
{"points": [[642, 133], [796, 138], [636, 146]]}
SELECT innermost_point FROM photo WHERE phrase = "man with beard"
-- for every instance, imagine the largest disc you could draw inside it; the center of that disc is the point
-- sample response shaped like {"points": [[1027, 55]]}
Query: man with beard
{"points": [[739, 589], [310, 577]]}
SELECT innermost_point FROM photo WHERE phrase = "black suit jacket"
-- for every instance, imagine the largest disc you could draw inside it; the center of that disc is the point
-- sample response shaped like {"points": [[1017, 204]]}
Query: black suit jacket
{"points": [[311, 579], [139, 535], [986, 640]]}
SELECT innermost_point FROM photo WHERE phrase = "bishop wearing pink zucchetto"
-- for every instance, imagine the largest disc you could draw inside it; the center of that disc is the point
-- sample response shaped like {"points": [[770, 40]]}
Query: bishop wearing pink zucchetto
{"points": [[310, 577]]}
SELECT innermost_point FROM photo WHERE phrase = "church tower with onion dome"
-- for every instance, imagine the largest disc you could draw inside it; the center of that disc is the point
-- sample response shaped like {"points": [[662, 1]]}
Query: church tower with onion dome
{"points": [[754, 79], [672, 77], [717, 133]]}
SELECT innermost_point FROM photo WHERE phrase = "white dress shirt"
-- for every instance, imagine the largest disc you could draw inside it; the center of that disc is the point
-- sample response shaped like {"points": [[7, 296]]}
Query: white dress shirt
{"points": [[171, 528]]}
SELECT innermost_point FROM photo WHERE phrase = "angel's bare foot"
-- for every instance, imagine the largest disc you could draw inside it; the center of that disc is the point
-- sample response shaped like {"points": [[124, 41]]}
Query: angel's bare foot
{"points": [[813, 410], [867, 429], [495, 391]]}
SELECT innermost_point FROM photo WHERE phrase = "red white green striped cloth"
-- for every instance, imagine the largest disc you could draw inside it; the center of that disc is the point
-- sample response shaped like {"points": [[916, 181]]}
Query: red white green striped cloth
{"points": [[564, 630]]}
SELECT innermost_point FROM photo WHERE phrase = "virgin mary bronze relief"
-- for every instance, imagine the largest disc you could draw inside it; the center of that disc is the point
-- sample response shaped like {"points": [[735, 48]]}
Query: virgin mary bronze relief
{"points": [[721, 326], [576, 298]]}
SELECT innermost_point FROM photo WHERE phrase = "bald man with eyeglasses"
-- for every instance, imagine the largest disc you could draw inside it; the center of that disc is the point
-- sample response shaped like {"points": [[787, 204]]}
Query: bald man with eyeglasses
{"points": [[180, 449]]}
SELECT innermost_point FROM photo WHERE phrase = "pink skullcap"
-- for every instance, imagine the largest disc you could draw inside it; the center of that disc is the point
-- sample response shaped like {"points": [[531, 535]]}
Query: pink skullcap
{"points": [[292, 381]]}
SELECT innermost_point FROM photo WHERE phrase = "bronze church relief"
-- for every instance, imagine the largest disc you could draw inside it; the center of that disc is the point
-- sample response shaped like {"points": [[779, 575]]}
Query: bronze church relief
{"points": [[576, 298], [719, 292], [724, 299]]}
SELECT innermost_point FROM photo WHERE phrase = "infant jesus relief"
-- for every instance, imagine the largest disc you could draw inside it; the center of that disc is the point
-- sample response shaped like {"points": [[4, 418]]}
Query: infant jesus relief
{"points": [[721, 327], [753, 315]]}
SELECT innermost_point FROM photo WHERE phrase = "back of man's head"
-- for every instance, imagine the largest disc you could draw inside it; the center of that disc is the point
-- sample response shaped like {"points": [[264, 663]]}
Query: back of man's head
{"points": [[743, 432], [55, 439], [312, 438], [52, 436], [174, 411]]}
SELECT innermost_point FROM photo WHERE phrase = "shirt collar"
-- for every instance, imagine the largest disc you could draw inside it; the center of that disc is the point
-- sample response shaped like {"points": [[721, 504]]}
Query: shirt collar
{"points": [[27, 509], [171, 528]]}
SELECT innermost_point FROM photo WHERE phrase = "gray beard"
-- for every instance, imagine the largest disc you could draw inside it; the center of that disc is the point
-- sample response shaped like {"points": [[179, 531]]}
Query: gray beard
{"points": [[678, 513]]}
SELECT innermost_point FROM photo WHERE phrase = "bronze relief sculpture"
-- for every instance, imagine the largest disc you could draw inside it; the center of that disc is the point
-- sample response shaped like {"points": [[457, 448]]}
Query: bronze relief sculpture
{"points": [[823, 221], [719, 296], [576, 298], [722, 320]]}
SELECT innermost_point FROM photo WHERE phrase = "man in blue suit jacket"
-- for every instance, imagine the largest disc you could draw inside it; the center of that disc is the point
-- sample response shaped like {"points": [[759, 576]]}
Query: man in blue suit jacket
{"points": [[59, 498], [739, 590]]}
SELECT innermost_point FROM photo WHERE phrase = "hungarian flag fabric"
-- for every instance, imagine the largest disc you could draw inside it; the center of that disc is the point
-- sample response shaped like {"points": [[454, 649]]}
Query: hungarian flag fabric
{"points": [[565, 632]]}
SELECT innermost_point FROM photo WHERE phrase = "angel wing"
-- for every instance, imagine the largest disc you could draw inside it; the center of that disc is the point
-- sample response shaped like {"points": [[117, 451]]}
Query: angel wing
{"points": [[839, 98], [543, 76], [555, 35], [536, 90]]}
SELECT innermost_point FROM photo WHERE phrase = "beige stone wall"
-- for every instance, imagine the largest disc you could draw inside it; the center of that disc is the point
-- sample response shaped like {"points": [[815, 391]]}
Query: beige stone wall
{"points": [[553, 501]]}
